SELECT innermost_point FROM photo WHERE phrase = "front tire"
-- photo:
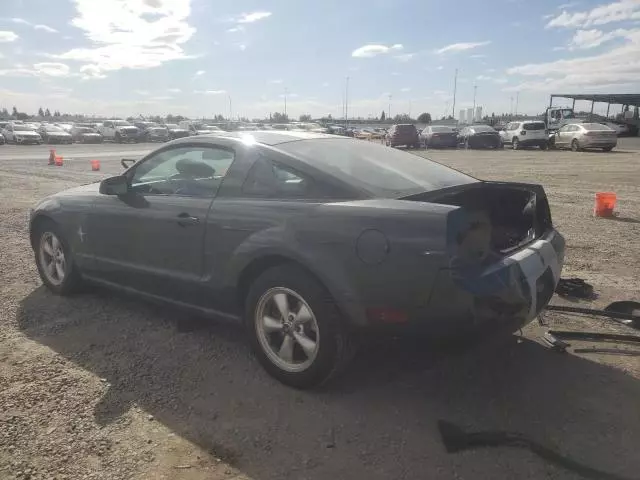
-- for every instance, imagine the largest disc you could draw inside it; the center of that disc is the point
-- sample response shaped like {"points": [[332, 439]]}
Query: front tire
{"points": [[55, 260], [515, 143], [295, 329], [607, 149], [118, 137], [544, 146]]}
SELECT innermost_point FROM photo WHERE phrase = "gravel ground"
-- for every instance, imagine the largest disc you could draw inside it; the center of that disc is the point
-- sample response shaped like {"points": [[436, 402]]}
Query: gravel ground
{"points": [[102, 386]]}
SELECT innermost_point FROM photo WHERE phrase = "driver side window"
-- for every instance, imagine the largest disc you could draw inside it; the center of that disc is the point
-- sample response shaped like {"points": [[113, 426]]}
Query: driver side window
{"points": [[184, 171]]}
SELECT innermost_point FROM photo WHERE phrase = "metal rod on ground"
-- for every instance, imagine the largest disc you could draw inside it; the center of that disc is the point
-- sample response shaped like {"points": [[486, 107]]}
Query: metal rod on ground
{"points": [[517, 101], [591, 113], [389, 112], [475, 90]]}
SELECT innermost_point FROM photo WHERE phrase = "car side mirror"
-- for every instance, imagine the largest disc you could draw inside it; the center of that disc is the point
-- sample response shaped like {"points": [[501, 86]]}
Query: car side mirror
{"points": [[114, 185]]}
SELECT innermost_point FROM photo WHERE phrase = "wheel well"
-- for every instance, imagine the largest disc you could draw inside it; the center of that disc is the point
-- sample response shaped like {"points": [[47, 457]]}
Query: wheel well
{"points": [[260, 265], [35, 226]]}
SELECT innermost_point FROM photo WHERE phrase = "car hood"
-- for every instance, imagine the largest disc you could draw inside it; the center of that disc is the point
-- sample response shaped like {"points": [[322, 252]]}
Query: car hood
{"points": [[128, 129], [58, 134], [82, 190], [26, 134], [91, 134], [178, 130]]}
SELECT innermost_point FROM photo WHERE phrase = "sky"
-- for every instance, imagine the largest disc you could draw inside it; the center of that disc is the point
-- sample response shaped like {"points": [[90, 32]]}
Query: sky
{"points": [[203, 57]]}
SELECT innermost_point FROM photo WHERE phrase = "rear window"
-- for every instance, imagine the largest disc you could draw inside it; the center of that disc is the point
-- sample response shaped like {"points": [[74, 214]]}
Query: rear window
{"points": [[596, 126], [442, 129], [533, 126], [405, 128], [381, 171], [482, 128]]}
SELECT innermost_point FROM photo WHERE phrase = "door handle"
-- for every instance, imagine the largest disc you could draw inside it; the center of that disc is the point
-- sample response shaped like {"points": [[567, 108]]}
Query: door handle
{"points": [[186, 220]]}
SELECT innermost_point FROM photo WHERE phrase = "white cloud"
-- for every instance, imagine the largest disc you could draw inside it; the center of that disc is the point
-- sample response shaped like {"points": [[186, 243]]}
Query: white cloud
{"points": [[460, 47], [135, 34], [395, 74], [439, 67], [199, 73], [276, 81], [325, 84], [372, 50], [210, 92], [141, 92], [622, 10], [236, 29], [44, 69], [584, 39], [162, 98], [45, 28], [405, 89], [612, 69], [478, 55], [242, 47], [253, 17], [565, 6], [405, 57], [174, 90], [7, 36]]}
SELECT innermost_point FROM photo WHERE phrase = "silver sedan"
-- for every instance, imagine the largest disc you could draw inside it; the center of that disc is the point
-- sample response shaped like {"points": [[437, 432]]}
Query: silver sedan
{"points": [[578, 136]]}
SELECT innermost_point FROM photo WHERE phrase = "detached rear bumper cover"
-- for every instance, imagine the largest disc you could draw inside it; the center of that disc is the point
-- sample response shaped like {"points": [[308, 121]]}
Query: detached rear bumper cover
{"points": [[506, 294]]}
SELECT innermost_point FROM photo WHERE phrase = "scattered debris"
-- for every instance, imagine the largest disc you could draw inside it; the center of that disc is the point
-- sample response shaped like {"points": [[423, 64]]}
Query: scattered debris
{"points": [[574, 287], [629, 320], [614, 337], [182, 467], [455, 440], [612, 351], [554, 343]]}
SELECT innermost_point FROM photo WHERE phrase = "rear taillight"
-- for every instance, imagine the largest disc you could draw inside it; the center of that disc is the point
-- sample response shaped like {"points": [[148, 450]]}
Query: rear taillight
{"points": [[523, 132]]}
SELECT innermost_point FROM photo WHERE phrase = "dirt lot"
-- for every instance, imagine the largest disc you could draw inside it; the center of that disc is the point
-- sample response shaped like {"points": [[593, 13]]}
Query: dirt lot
{"points": [[99, 386]]}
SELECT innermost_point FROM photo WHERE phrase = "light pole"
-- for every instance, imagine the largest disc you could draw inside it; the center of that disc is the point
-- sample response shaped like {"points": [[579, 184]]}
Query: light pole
{"points": [[389, 111], [346, 104], [230, 108], [286, 90], [475, 90], [455, 88], [517, 100]]}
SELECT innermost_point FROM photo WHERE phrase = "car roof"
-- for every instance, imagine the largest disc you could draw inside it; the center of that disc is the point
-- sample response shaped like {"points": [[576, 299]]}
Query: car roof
{"points": [[264, 137]]}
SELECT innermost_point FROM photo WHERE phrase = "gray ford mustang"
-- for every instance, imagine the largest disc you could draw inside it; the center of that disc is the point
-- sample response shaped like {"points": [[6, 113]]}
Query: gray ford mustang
{"points": [[309, 239]]}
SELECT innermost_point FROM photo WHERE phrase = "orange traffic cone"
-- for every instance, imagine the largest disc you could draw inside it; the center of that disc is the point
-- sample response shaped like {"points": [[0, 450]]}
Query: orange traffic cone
{"points": [[95, 165], [52, 156], [58, 161]]}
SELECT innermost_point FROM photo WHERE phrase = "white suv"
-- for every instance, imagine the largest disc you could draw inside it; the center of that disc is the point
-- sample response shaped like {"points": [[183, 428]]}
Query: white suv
{"points": [[525, 134]]}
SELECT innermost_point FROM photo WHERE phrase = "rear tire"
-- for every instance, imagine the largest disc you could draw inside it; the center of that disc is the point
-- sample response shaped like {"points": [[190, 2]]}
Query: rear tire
{"points": [[327, 343], [544, 146], [54, 260], [575, 146], [515, 143]]}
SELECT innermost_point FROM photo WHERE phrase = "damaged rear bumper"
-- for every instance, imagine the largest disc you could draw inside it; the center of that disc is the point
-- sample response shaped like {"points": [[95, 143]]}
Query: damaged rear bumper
{"points": [[506, 294]]}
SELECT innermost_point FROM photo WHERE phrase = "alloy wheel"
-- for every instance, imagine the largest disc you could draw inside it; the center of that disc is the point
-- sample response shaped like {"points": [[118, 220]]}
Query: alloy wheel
{"points": [[287, 329], [52, 258]]}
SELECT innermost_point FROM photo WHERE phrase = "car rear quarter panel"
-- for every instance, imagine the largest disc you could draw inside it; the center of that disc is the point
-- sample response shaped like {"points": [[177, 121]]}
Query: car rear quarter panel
{"points": [[323, 238]]}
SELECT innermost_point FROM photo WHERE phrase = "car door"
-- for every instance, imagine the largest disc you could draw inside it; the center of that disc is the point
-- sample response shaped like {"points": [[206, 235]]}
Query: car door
{"points": [[562, 136], [151, 239]]}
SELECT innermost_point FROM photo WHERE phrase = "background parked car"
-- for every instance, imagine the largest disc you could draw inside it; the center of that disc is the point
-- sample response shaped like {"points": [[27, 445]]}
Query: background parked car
{"points": [[403, 134], [21, 134], [434, 136], [479, 136], [118, 131], [525, 134], [585, 135], [84, 133], [153, 133], [54, 134], [65, 126], [198, 128], [175, 131]]}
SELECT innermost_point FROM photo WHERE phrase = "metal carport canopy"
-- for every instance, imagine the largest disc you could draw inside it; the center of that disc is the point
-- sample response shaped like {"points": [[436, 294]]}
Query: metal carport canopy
{"points": [[617, 98]]}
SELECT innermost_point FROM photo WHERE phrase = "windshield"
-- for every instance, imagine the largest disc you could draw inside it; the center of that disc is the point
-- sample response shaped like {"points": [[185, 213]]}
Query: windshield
{"points": [[533, 126], [568, 113], [382, 171], [121, 123], [24, 128], [171, 125]]}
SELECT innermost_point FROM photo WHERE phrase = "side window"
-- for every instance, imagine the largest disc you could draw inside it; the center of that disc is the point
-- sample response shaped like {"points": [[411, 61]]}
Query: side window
{"points": [[107, 125], [184, 171], [271, 180]]}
